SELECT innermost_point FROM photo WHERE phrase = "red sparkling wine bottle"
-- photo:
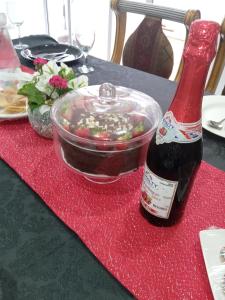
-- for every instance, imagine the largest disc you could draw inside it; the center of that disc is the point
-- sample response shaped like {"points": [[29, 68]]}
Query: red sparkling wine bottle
{"points": [[175, 152]]}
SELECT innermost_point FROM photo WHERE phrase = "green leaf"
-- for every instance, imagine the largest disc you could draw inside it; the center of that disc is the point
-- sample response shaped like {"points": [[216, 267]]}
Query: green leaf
{"points": [[95, 131], [140, 127], [35, 97], [63, 91], [67, 75], [125, 137]]}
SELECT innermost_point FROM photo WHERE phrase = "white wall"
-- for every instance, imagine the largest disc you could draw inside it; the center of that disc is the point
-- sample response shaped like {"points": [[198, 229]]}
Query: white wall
{"points": [[210, 10], [34, 19], [96, 14]]}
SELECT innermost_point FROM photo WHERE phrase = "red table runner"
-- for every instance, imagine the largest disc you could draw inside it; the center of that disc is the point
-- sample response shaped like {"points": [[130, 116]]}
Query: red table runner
{"points": [[153, 263]]}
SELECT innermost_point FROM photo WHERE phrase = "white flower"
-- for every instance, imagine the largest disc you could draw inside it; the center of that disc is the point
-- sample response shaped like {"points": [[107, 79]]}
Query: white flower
{"points": [[78, 82], [50, 68], [42, 83], [66, 68]]}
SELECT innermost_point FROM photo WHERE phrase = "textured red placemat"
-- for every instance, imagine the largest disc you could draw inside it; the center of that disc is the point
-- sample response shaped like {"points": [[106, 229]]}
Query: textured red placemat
{"points": [[153, 263]]}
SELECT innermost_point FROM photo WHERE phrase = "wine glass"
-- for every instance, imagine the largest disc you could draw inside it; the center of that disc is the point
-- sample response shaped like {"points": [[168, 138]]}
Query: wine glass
{"points": [[85, 39], [15, 14]]}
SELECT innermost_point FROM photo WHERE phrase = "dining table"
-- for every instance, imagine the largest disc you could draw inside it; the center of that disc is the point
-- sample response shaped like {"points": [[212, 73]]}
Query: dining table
{"points": [[48, 253]]}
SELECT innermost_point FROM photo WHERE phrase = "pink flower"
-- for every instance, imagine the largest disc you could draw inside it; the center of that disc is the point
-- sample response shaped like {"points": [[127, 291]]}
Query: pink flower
{"points": [[40, 61], [58, 82]]}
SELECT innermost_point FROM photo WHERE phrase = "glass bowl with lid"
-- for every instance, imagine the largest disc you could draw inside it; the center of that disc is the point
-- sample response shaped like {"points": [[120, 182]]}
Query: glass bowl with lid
{"points": [[102, 132]]}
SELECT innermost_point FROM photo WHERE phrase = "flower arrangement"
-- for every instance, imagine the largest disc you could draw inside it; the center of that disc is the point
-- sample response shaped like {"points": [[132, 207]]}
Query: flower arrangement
{"points": [[50, 82]]}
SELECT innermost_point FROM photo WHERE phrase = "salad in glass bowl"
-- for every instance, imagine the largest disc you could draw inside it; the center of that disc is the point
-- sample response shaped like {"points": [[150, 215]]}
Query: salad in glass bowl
{"points": [[103, 132]]}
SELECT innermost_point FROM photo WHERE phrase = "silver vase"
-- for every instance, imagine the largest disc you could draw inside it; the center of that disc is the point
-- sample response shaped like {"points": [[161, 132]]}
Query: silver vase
{"points": [[40, 120]]}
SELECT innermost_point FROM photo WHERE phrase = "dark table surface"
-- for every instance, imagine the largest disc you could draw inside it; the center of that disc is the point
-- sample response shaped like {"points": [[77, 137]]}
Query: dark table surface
{"points": [[40, 258]]}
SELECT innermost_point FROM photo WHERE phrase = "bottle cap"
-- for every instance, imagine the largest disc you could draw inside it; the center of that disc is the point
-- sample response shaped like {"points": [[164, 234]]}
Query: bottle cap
{"points": [[202, 40]]}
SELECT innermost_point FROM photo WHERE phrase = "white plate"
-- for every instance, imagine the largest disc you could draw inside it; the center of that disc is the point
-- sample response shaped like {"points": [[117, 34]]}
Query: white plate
{"points": [[211, 242], [213, 108], [15, 116], [73, 52]]}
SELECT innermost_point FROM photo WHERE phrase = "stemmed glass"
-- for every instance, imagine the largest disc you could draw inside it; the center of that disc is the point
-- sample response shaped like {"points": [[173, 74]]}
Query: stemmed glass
{"points": [[15, 14], [85, 39]]}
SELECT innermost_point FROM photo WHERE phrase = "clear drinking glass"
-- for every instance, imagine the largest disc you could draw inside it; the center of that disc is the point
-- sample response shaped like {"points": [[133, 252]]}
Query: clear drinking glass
{"points": [[16, 17], [85, 38]]}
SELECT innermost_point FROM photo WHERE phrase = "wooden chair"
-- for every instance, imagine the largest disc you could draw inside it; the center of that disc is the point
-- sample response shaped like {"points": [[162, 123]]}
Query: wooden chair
{"points": [[218, 64], [223, 91], [148, 48]]}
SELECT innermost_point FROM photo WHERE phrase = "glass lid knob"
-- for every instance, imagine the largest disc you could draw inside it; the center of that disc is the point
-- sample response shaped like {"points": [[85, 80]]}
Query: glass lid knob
{"points": [[107, 93]]}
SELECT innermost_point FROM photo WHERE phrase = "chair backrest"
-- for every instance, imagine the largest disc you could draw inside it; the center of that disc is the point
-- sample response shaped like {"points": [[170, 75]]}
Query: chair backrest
{"points": [[152, 52], [218, 64]]}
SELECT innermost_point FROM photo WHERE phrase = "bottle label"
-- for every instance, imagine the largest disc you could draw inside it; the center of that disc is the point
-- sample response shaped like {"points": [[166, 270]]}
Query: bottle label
{"points": [[169, 130], [157, 194]]}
